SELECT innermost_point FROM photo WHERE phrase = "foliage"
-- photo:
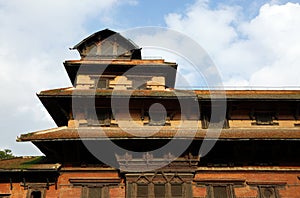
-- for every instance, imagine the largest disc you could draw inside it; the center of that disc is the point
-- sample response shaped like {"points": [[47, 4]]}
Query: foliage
{"points": [[6, 154]]}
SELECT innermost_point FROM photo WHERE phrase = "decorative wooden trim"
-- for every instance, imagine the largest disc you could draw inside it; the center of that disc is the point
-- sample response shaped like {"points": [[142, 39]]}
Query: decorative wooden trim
{"points": [[37, 185], [266, 183], [226, 180], [248, 169], [160, 176], [128, 162], [88, 180]]}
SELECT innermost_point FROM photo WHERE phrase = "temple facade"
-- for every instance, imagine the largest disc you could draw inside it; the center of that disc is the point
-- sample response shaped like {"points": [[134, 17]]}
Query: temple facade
{"points": [[124, 131]]}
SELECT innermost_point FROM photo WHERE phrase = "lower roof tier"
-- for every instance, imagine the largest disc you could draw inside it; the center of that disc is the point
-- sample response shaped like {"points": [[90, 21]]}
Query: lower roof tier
{"points": [[201, 94], [116, 133], [159, 151], [64, 104]]}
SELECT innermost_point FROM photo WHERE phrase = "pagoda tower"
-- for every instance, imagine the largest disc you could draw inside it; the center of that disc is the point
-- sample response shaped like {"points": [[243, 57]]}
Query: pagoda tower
{"points": [[123, 130], [120, 111]]}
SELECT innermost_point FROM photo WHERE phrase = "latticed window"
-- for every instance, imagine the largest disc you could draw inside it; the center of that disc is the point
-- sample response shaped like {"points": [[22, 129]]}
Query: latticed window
{"points": [[268, 192], [220, 191], [95, 192], [217, 123], [159, 185], [176, 190], [142, 190], [159, 190]]}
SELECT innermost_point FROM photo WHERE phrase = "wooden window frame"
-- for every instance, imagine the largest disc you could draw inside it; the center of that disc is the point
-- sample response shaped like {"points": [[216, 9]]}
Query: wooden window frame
{"points": [[137, 190], [104, 190], [268, 184], [151, 190], [229, 190], [264, 119], [31, 190], [206, 123], [5, 195], [85, 183], [164, 194], [106, 113], [155, 179], [229, 183], [97, 78], [262, 187], [171, 191]]}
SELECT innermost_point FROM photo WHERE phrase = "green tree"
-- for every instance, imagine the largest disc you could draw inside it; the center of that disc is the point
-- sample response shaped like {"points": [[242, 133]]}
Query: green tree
{"points": [[6, 154]]}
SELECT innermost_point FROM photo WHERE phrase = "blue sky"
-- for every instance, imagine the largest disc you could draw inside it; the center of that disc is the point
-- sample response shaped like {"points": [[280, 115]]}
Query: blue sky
{"points": [[152, 13], [252, 43]]}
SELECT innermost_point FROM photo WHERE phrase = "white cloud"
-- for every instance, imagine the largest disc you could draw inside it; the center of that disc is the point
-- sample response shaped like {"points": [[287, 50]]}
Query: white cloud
{"points": [[195, 66], [35, 36], [34, 40], [263, 51], [211, 28], [277, 29]]}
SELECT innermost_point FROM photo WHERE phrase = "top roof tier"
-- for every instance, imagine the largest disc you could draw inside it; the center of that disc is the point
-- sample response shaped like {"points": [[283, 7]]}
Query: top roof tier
{"points": [[107, 44], [109, 60]]}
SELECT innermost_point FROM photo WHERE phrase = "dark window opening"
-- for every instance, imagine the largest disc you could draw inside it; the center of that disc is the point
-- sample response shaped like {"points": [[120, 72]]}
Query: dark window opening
{"points": [[4, 195], [176, 190], [297, 125], [264, 119], [102, 117], [159, 190], [221, 191], [36, 194], [142, 190], [217, 123], [94, 192], [103, 83]]}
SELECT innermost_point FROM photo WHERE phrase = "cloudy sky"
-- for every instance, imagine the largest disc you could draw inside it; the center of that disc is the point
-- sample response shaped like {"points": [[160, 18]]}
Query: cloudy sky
{"points": [[252, 43]]}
